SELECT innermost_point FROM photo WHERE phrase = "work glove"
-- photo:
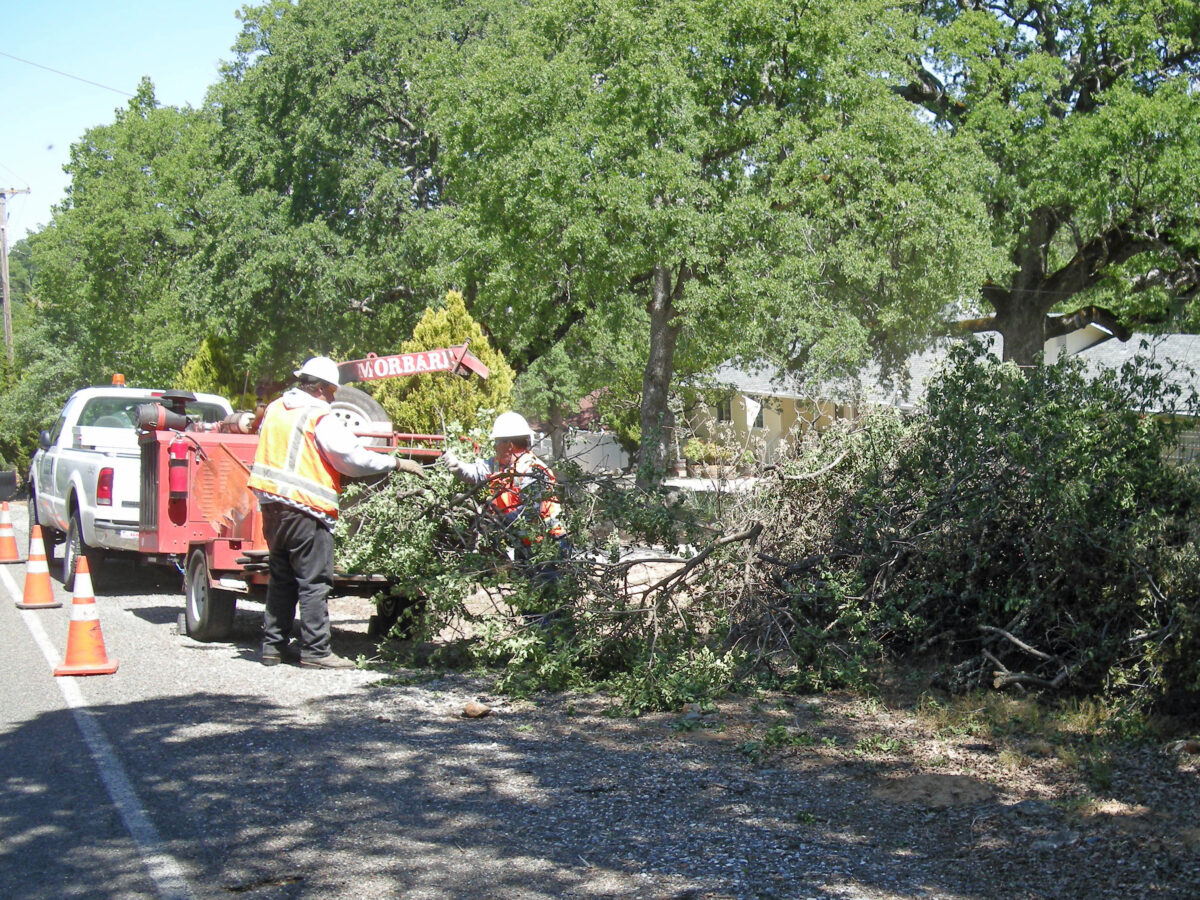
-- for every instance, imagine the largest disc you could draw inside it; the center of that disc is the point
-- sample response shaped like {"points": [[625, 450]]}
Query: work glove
{"points": [[407, 465], [453, 463]]}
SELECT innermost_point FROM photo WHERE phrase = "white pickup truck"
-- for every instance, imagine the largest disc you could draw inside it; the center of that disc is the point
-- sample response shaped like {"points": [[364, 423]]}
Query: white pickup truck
{"points": [[85, 478]]}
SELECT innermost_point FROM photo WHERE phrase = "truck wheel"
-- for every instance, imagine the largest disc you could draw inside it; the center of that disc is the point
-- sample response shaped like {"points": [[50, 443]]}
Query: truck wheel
{"points": [[208, 611], [49, 535], [361, 412], [73, 548]]}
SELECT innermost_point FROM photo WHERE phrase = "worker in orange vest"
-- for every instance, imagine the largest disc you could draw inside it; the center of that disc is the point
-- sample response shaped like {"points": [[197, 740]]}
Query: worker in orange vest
{"points": [[303, 453], [524, 494]]}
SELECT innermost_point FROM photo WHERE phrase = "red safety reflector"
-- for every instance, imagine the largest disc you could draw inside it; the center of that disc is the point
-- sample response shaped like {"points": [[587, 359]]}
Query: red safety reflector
{"points": [[104, 485]]}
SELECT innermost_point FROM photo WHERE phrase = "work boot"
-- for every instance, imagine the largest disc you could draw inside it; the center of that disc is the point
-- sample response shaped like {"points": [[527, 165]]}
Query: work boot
{"points": [[332, 661], [273, 655]]}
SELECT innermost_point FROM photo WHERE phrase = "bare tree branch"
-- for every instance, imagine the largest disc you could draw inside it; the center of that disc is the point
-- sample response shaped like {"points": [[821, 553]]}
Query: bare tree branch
{"points": [[1087, 315], [1032, 651]]}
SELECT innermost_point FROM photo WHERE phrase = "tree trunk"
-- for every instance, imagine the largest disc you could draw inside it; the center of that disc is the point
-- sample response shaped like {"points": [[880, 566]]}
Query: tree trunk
{"points": [[1021, 310], [657, 419], [1021, 321]]}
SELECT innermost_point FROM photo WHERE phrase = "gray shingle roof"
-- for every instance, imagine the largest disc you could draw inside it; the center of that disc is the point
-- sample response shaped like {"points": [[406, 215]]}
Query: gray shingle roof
{"points": [[908, 391]]}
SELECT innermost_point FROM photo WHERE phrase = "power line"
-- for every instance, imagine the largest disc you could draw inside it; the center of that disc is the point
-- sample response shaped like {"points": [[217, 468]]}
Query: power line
{"points": [[14, 174], [67, 74]]}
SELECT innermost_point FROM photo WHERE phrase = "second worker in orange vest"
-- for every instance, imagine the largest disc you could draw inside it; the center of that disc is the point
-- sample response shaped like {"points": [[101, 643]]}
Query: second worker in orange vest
{"points": [[524, 497], [303, 452]]}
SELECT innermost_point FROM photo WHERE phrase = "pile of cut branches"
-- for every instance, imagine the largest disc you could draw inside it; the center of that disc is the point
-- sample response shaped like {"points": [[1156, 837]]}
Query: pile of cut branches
{"points": [[639, 603], [1026, 529]]}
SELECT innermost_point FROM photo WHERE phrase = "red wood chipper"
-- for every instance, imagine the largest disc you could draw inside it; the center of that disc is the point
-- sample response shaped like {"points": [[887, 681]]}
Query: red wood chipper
{"points": [[198, 514]]}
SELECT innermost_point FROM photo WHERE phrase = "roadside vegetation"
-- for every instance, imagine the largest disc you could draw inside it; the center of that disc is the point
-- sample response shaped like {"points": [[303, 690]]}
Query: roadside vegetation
{"points": [[1024, 533]]}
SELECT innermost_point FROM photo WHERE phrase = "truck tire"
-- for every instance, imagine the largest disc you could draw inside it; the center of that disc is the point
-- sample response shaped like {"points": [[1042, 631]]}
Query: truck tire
{"points": [[361, 412], [50, 536], [208, 611], [73, 548]]}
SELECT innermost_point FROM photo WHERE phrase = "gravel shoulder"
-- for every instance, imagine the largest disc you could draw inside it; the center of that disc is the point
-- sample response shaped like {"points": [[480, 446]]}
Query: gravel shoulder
{"points": [[783, 796]]}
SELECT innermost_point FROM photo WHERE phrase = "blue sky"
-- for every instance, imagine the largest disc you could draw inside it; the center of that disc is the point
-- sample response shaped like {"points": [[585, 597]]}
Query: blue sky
{"points": [[178, 44]]}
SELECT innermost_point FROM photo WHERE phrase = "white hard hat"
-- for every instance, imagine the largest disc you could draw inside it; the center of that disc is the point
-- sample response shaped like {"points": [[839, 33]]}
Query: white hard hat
{"points": [[322, 368], [511, 425]]}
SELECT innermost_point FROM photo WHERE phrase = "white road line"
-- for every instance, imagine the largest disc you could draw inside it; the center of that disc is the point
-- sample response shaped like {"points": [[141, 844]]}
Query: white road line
{"points": [[164, 870]]}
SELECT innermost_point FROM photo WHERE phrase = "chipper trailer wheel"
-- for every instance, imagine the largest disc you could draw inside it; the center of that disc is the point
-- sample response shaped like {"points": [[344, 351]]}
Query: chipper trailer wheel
{"points": [[208, 612]]}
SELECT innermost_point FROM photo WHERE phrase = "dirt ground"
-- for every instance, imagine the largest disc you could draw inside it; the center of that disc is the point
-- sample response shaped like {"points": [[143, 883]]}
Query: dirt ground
{"points": [[1001, 800]]}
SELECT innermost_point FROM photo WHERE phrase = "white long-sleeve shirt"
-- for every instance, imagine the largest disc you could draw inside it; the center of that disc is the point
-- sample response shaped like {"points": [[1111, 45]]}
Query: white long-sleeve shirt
{"points": [[340, 446]]}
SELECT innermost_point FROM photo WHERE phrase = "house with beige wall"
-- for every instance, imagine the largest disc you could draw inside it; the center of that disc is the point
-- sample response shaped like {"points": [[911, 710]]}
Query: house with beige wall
{"points": [[757, 410], [758, 413]]}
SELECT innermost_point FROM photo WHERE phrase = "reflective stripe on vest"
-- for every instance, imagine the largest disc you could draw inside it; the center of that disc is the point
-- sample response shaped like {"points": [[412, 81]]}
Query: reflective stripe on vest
{"points": [[288, 463], [506, 492]]}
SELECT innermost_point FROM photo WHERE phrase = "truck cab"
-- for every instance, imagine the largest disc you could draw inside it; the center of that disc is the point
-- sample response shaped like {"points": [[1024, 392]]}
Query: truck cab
{"points": [[84, 479]]}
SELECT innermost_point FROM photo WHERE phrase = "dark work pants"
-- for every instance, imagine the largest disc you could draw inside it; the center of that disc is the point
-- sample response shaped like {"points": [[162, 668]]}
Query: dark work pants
{"points": [[301, 567]]}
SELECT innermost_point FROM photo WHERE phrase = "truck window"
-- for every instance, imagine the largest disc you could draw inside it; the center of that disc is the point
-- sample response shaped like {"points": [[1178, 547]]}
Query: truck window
{"points": [[205, 412], [57, 429], [108, 412], [122, 412]]}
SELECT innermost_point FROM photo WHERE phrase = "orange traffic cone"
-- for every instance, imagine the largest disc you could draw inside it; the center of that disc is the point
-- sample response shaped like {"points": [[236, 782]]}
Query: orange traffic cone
{"points": [[85, 643], [38, 592], [8, 538]]}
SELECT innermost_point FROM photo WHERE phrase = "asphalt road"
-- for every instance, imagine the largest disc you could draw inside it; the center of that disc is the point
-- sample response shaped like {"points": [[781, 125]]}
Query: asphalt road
{"points": [[174, 776], [194, 773]]}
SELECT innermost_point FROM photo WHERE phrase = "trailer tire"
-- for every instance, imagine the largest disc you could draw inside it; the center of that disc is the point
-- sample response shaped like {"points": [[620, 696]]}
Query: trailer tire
{"points": [[361, 412], [402, 609], [208, 611], [73, 548]]}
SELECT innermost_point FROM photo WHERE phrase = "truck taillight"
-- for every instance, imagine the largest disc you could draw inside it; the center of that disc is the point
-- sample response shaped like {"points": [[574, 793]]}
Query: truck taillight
{"points": [[104, 485]]}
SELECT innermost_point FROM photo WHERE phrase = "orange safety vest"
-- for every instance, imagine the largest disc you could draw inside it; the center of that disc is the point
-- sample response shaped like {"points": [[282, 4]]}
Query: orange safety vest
{"points": [[506, 491], [288, 463]]}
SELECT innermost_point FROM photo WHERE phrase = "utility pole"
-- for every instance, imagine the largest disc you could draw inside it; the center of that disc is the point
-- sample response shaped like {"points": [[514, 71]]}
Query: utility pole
{"points": [[8, 335]]}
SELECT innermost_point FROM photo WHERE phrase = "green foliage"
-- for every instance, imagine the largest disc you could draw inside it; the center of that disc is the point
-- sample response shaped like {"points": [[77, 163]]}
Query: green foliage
{"points": [[1025, 530], [108, 287], [425, 404], [1086, 113], [1026, 527], [211, 370], [319, 234], [675, 677], [113, 284], [439, 540], [709, 452], [682, 162], [619, 405]]}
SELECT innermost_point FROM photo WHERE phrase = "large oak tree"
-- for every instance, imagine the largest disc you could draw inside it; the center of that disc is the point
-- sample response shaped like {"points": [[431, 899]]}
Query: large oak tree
{"points": [[733, 175], [1090, 114]]}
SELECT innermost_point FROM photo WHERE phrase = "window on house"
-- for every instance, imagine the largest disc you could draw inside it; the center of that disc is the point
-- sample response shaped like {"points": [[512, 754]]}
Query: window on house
{"points": [[724, 411], [758, 419]]}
